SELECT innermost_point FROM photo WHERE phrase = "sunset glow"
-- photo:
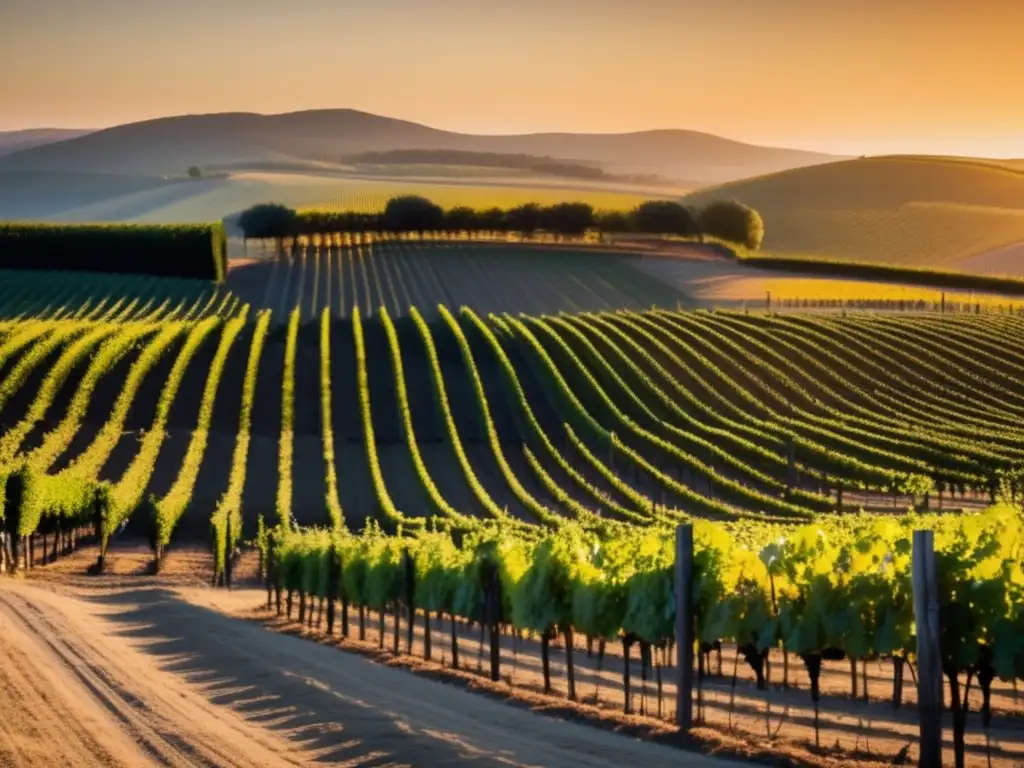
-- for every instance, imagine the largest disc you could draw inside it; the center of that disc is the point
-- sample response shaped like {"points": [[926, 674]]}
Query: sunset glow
{"points": [[845, 77]]}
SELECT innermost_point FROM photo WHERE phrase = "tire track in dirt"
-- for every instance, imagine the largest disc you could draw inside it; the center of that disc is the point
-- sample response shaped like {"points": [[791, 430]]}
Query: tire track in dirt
{"points": [[191, 686]]}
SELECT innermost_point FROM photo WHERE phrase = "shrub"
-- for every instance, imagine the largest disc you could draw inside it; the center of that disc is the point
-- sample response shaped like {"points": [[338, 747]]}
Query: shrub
{"points": [[733, 221], [165, 250]]}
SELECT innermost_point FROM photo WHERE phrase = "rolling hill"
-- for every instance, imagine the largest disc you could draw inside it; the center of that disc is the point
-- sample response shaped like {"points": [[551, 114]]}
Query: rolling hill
{"points": [[16, 141], [921, 211], [167, 146]]}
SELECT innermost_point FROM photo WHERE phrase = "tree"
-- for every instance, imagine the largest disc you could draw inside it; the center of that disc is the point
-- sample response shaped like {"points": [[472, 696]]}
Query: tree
{"points": [[268, 220], [664, 217], [567, 219], [525, 219], [195, 172], [734, 222], [461, 219], [412, 213], [612, 221], [493, 220]]}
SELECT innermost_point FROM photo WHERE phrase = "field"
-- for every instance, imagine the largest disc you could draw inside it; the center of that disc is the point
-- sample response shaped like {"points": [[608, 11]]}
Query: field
{"points": [[563, 401], [713, 282], [900, 210], [487, 277], [95, 197]]}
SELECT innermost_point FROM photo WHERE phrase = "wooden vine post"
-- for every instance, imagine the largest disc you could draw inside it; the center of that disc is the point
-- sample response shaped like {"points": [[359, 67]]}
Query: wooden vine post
{"points": [[410, 601], [228, 551], [333, 579], [929, 676], [492, 610], [269, 571], [685, 636]]}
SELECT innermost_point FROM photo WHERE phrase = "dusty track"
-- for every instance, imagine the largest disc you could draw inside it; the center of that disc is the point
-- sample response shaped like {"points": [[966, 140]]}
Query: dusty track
{"points": [[148, 675]]}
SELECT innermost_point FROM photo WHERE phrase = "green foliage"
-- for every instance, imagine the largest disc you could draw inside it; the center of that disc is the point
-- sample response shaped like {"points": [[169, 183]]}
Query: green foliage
{"points": [[733, 222], [525, 219], [841, 584], [728, 223], [165, 250], [268, 220], [411, 213], [229, 508], [286, 445], [330, 471], [664, 217], [613, 221], [386, 508], [461, 218], [568, 219], [440, 569], [172, 505]]}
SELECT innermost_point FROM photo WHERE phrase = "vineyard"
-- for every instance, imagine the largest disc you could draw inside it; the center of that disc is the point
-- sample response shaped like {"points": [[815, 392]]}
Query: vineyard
{"points": [[397, 414], [487, 277]]}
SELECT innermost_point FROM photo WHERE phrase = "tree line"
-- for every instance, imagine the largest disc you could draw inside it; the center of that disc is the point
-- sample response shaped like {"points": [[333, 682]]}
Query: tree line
{"points": [[722, 220]]}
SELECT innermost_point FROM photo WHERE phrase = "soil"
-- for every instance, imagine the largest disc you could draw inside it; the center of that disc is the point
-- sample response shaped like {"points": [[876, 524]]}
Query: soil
{"points": [[129, 670], [166, 670]]}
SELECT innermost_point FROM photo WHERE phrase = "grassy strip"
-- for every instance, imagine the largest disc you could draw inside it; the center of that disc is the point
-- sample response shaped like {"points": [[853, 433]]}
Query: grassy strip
{"points": [[884, 273]]}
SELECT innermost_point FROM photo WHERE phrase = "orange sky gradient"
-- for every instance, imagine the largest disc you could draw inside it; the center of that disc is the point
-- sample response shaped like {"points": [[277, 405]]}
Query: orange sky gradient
{"points": [[851, 77]]}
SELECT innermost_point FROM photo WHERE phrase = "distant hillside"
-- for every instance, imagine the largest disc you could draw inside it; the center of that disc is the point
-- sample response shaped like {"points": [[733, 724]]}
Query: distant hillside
{"points": [[169, 145], [519, 162], [15, 141], [898, 210], [56, 194]]}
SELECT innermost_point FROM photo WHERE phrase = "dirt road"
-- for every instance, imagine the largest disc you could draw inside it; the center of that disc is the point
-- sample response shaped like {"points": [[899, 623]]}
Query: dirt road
{"points": [[143, 677]]}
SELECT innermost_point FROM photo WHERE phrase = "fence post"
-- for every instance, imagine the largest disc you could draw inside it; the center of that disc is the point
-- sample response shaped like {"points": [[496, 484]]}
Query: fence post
{"points": [[684, 626], [926, 617]]}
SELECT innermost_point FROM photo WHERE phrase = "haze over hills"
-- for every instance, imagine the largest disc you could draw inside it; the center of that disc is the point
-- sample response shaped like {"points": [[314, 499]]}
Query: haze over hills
{"points": [[167, 146], [15, 141], [924, 211]]}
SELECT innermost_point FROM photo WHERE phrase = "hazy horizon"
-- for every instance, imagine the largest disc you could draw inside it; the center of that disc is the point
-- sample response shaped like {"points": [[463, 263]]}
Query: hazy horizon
{"points": [[871, 77]]}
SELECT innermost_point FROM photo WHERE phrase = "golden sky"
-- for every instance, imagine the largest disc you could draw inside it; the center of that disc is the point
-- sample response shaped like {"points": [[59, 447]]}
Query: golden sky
{"points": [[847, 76]]}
